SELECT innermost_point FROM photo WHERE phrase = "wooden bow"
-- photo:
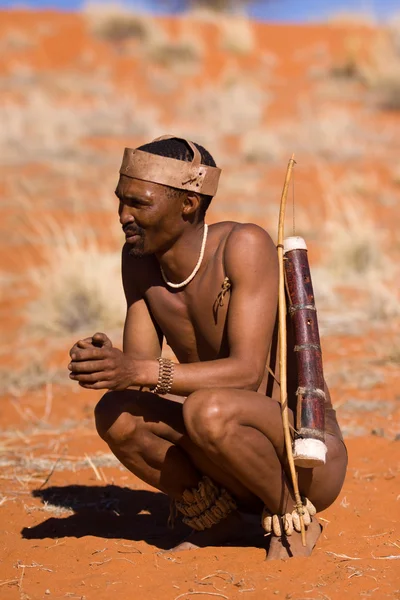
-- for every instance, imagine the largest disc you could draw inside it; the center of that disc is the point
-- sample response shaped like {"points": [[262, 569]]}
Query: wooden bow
{"points": [[283, 349]]}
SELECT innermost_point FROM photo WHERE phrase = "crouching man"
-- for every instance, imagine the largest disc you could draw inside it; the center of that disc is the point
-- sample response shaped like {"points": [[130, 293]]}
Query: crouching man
{"points": [[201, 430]]}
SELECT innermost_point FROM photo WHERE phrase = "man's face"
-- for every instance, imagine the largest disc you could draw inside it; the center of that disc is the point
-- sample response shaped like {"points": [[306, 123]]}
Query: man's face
{"points": [[150, 215]]}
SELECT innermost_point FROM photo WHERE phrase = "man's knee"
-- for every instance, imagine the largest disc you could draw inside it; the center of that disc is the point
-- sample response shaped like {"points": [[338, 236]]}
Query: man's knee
{"points": [[208, 416], [114, 423], [105, 412]]}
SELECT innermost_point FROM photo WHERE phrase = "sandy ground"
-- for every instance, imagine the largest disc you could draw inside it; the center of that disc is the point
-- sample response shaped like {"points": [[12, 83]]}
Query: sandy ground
{"points": [[74, 524]]}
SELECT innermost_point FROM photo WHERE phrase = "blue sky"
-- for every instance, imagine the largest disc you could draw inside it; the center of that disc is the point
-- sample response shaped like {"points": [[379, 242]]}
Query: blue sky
{"points": [[278, 10]]}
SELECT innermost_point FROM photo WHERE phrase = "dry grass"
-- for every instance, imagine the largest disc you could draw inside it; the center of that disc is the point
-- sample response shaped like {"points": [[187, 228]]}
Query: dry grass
{"points": [[135, 33], [241, 183], [33, 375], [44, 128], [114, 22], [78, 287], [15, 40], [355, 253], [394, 355], [208, 7], [334, 133], [40, 464], [349, 65], [356, 271], [73, 285], [235, 106], [396, 175], [179, 55], [7, 283], [21, 78], [383, 75], [354, 241], [376, 66], [116, 29], [262, 146], [237, 35], [69, 184]]}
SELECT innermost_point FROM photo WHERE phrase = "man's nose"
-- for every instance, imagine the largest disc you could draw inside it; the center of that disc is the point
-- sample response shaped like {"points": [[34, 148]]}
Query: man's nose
{"points": [[125, 215]]}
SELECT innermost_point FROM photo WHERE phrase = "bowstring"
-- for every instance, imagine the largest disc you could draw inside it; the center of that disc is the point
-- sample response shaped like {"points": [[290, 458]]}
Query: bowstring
{"points": [[293, 211]]}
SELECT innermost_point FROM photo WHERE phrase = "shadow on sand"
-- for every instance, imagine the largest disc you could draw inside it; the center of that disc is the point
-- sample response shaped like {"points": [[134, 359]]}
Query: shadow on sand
{"points": [[114, 512], [110, 511]]}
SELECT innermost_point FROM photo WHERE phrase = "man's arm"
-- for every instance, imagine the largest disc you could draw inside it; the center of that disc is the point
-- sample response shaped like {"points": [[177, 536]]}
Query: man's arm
{"points": [[252, 266], [95, 364], [142, 338]]}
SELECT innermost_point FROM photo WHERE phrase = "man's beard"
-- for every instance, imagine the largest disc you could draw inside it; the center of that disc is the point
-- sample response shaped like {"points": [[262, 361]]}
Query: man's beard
{"points": [[137, 251]]}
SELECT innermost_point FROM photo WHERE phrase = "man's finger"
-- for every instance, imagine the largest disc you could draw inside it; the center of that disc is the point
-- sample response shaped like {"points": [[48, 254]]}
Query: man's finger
{"points": [[81, 344], [87, 366], [73, 349], [86, 343], [87, 377], [101, 340], [90, 353], [100, 385]]}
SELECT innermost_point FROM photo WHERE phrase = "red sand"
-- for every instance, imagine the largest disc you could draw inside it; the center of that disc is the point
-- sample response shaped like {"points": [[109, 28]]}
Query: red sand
{"points": [[74, 530], [117, 547]]}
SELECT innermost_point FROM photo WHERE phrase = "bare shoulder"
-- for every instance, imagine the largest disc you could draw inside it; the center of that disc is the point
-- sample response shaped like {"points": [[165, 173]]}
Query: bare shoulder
{"points": [[249, 246], [250, 234], [232, 233]]}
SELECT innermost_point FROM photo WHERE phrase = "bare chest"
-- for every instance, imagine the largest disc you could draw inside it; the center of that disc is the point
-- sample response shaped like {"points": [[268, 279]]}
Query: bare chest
{"points": [[193, 320]]}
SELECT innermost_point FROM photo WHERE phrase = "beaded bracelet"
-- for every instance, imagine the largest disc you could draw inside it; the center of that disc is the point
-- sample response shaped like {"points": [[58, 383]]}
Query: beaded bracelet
{"points": [[165, 376]]}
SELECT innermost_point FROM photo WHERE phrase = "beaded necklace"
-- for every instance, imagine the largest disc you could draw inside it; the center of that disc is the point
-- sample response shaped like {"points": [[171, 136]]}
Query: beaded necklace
{"points": [[195, 270]]}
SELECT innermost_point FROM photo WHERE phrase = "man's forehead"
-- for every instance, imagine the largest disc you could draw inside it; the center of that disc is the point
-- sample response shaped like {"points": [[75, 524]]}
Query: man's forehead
{"points": [[130, 186]]}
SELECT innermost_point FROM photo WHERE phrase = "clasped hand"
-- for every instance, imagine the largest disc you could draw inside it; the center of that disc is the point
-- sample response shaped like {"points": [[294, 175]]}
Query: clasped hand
{"points": [[97, 365]]}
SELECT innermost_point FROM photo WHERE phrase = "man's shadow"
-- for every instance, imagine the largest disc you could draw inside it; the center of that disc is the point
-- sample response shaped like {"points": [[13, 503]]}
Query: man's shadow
{"points": [[109, 512], [114, 512]]}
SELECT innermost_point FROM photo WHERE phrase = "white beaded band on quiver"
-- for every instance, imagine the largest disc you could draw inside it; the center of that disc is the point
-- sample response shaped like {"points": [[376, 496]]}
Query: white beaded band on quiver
{"points": [[309, 444]]}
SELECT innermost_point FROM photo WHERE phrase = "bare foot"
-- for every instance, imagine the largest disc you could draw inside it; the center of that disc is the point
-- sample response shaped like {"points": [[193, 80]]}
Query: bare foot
{"points": [[290, 546], [227, 530]]}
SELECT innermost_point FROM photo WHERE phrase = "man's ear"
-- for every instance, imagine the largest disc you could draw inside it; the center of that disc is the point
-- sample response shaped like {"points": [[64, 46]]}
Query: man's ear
{"points": [[190, 204]]}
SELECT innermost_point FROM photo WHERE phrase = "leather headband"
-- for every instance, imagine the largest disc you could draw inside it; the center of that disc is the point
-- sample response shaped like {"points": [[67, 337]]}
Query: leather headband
{"points": [[191, 176]]}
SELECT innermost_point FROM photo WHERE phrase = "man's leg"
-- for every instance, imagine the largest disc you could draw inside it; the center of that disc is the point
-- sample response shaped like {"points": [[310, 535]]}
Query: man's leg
{"points": [[242, 432], [147, 434], [233, 436]]}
